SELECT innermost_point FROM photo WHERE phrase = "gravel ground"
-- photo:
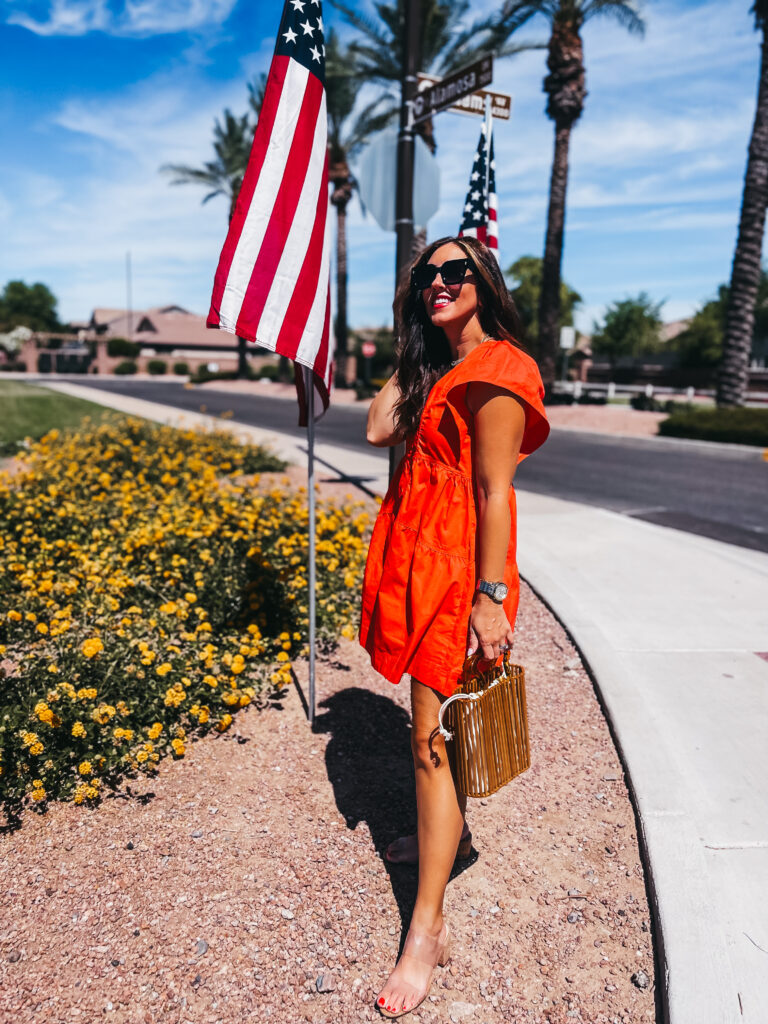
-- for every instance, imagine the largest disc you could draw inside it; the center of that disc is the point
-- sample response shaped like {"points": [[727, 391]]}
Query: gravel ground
{"points": [[246, 881]]}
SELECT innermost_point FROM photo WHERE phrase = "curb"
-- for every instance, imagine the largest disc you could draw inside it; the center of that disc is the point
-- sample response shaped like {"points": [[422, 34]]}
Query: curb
{"points": [[695, 988]]}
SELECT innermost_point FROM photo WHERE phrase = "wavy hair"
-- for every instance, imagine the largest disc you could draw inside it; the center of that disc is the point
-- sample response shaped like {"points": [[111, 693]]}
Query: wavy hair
{"points": [[423, 352]]}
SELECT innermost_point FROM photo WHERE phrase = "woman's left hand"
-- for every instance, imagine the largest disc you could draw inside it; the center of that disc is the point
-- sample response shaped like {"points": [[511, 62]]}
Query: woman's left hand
{"points": [[489, 629]]}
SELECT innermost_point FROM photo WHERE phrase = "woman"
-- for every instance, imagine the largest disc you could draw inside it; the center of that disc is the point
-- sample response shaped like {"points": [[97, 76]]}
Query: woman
{"points": [[441, 579]]}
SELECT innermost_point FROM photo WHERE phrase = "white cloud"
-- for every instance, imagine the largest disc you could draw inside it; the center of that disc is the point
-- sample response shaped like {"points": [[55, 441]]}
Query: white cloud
{"points": [[139, 18], [76, 234]]}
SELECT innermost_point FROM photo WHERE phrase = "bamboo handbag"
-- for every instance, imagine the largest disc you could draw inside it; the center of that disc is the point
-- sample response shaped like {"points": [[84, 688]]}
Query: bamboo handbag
{"points": [[488, 722]]}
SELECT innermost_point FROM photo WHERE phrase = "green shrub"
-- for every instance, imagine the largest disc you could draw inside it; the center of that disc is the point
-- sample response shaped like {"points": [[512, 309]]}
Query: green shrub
{"points": [[647, 403], [270, 371], [203, 374], [736, 426], [13, 367], [127, 366], [181, 369], [122, 347], [156, 366]]}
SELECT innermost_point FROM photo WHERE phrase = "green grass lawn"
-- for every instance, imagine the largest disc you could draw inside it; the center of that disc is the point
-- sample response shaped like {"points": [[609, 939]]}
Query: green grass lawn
{"points": [[29, 411]]}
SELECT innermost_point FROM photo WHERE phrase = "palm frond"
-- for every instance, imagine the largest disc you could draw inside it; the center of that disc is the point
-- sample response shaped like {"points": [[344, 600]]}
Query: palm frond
{"points": [[626, 12], [363, 24], [185, 175]]}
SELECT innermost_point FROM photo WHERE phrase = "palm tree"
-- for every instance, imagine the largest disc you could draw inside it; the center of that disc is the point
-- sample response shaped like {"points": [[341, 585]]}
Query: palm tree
{"points": [[344, 140], [565, 86], [223, 175], [445, 45], [745, 275]]}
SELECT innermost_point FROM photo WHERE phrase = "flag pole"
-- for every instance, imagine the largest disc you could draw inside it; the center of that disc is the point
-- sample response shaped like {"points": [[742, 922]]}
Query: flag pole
{"points": [[488, 130], [309, 390]]}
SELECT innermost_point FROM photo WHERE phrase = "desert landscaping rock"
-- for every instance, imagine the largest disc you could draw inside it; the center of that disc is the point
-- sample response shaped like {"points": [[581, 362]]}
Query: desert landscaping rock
{"points": [[310, 838]]}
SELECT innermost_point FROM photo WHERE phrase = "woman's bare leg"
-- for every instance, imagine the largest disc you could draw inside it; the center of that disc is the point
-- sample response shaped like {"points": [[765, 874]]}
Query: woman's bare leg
{"points": [[440, 821]]}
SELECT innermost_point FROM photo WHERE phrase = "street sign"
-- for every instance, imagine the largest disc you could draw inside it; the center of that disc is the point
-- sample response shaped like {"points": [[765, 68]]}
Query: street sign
{"points": [[451, 88], [368, 349], [474, 103], [567, 337]]}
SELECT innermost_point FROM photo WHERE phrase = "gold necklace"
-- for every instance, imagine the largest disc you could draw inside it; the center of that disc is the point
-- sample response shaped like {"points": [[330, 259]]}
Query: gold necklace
{"points": [[456, 362]]}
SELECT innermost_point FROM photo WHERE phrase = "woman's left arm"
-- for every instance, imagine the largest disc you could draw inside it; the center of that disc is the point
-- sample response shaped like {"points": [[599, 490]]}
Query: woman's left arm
{"points": [[499, 422]]}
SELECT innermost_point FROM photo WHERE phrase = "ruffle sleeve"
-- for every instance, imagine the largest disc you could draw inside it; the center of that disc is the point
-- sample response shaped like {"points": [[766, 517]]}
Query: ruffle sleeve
{"points": [[503, 364]]}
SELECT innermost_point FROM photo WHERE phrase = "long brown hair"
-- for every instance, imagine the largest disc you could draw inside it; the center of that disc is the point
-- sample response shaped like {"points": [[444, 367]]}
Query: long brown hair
{"points": [[423, 352]]}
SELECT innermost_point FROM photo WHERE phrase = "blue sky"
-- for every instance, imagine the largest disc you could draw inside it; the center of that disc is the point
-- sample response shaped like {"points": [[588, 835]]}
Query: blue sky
{"points": [[96, 94]]}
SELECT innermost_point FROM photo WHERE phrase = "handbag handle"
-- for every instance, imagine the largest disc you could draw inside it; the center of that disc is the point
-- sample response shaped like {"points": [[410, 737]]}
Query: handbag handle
{"points": [[446, 733], [470, 665]]}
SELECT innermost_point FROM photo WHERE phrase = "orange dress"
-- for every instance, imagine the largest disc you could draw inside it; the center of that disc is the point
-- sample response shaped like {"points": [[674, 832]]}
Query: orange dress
{"points": [[421, 571]]}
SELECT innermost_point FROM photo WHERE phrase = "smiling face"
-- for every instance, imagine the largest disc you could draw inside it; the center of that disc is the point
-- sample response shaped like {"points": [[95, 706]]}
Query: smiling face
{"points": [[445, 304]]}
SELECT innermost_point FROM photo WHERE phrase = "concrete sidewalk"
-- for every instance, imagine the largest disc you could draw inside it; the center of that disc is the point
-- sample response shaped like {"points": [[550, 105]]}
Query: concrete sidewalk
{"points": [[674, 628]]}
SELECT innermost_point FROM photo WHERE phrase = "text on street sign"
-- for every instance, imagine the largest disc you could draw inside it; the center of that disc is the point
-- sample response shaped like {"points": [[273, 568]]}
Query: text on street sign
{"points": [[474, 103], [450, 89]]}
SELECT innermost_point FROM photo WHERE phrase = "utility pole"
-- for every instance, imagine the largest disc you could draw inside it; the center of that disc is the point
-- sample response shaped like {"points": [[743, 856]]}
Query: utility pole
{"points": [[128, 296], [405, 160]]}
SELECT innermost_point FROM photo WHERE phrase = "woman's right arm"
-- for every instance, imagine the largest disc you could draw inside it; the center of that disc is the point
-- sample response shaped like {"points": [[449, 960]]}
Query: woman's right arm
{"points": [[380, 430]]}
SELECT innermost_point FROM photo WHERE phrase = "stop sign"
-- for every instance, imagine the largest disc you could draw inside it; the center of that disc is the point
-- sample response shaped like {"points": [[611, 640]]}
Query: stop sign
{"points": [[368, 349]]}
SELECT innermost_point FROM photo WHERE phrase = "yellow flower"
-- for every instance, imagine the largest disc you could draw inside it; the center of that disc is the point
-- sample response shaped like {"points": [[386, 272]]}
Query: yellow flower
{"points": [[78, 730], [41, 627], [38, 794], [178, 747], [282, 656], [211, 680], [92, 647], [154, 731], [348, 632], [14, 616], [164, 669], [85, 768]]}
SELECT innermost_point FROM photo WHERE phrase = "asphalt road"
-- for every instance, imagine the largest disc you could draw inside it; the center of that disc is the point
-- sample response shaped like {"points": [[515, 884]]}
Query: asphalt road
{"points": [[717, 493]]}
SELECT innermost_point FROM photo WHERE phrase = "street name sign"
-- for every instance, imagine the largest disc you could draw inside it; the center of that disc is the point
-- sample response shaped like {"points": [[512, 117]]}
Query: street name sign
{"points": [[448, 90], [474, 103]]}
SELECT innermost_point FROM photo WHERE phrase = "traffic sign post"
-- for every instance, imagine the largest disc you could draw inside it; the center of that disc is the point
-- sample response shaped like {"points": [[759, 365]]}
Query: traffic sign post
{"points": [[445, 93], [368, 349]]}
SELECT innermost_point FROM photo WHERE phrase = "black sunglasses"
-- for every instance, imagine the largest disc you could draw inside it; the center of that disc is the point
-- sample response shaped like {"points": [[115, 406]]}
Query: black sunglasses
{"points": [[452, 272]]}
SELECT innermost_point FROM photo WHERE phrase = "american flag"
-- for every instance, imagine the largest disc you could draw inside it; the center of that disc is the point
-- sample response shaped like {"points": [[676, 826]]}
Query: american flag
{"points": [[481, 205], [272, 284]]}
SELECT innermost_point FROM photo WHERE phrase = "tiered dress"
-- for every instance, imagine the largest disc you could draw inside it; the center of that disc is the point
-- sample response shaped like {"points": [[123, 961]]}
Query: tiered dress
{"points": [[421, 570]]}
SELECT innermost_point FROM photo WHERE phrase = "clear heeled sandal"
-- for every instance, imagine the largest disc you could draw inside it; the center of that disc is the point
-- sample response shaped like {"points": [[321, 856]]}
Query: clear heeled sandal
{"points": [[425, 949]]}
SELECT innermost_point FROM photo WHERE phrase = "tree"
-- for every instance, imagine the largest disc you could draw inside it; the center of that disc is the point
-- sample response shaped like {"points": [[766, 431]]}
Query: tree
{"points": [[630, 328], [345, 138], [745, 274], [565, 86], [702, 343], [445, 43], [224, 175], [26, 305], [526, 272]]}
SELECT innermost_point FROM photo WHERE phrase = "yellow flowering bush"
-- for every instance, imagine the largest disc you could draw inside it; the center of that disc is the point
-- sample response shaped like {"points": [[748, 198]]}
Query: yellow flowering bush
{"points": [[171, 586]]}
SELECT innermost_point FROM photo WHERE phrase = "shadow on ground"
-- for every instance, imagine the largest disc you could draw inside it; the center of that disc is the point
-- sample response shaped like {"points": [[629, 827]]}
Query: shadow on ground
{"points": [[369, 764]]}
